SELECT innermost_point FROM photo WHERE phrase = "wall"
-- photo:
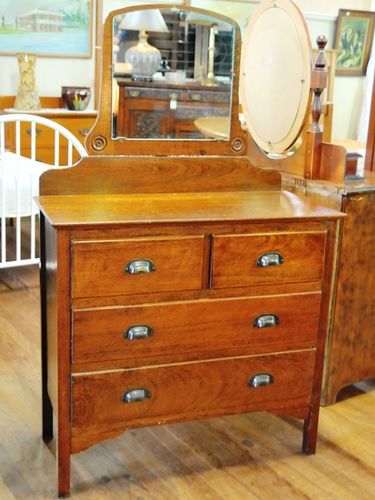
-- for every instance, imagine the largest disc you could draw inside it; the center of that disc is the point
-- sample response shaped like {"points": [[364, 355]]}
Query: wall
{"points": [[52, 73]]}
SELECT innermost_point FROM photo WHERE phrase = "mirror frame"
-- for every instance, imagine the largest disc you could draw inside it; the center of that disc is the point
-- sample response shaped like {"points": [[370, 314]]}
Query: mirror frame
{"points": [[100, 141]]}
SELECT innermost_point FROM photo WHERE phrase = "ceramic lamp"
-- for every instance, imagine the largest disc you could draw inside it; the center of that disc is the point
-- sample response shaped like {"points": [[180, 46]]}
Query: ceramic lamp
{"points": [[143, 57]]}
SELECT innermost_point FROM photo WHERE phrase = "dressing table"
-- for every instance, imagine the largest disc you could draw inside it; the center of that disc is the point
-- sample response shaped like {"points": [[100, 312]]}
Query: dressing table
{"points": [[178, 281]]}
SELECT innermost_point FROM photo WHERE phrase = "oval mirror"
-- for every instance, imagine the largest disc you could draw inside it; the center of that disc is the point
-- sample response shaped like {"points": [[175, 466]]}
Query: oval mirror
{"points": [[275, 76]]}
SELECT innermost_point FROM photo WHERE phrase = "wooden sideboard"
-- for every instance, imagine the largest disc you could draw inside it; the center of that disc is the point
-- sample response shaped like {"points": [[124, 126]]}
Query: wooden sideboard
{"points": [[77, 122], [159, 109], [350, 350]]}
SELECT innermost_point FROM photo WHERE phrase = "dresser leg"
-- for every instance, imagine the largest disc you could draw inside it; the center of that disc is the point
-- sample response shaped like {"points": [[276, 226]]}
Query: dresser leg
{"points": [[310, 432], [63, 473]]}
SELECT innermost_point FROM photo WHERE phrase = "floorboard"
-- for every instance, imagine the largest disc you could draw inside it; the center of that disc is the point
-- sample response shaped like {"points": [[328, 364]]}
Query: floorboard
{"points": [[252, 456]]}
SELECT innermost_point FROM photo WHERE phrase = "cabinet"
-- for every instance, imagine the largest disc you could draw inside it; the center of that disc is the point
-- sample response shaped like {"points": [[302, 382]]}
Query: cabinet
{"points": [[350, 349], [167, 111], [78, 122], [219, 309]]}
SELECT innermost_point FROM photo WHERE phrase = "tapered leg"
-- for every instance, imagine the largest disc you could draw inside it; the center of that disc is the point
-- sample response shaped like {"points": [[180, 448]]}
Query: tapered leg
{"points": [[310, 432], [63, 469]]}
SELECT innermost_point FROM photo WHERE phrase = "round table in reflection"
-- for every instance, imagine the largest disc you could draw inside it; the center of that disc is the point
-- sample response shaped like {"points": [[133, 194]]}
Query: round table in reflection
{"points": [[213, 126]]}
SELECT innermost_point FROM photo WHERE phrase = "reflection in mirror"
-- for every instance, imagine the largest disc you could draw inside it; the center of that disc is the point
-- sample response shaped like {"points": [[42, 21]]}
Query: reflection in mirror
{"points": [[171, 68]]}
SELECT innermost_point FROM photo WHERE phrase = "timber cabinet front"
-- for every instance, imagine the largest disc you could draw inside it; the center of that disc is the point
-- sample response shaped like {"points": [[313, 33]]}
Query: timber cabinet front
{"points": [[150, 323]]}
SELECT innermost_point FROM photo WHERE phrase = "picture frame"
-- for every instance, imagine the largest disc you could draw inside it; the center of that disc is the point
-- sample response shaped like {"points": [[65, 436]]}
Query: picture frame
{"points": [[353, 41], [47, 28]]}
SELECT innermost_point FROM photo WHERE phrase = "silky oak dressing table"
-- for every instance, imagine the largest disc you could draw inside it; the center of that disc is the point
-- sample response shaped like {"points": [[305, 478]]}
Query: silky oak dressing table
{"points": [[178, 281]]}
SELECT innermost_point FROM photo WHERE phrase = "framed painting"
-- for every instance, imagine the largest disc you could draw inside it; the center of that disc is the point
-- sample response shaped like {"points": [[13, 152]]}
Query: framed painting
{"points": [[353, 41], [50, 28]]}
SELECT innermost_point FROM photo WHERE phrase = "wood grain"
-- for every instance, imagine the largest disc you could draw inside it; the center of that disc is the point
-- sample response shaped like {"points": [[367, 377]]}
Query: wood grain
{"points": [[235, 258], [352, 347], [194, 329], [186, 391], [146, 209], [99, 267]]}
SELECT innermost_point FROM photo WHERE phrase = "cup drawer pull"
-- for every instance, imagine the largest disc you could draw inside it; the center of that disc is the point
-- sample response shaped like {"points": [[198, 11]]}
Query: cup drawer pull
{"points": [[140, 267], [136, 395], [266, 321], [138, 332], [261, 379], [270, 259]]}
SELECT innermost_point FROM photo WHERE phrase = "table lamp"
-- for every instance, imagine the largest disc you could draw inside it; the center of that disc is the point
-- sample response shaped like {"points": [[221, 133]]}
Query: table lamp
{"points": [[143, 57]]}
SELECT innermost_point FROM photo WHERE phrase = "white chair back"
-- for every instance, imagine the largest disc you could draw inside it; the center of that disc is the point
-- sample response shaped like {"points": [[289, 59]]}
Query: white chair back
{"points": [[25, 153]]}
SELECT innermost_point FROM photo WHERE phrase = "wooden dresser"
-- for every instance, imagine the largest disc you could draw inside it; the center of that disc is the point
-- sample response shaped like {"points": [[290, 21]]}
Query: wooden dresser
{"points": [[77, 122], [168, 111], [178, 281], [169, 307], [350, 349]]}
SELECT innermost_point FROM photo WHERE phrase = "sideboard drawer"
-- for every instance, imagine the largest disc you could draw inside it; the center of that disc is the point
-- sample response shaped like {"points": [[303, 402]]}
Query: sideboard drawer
{"points": [[139, 265], [282, 257], [164, 393], [189, 330]]}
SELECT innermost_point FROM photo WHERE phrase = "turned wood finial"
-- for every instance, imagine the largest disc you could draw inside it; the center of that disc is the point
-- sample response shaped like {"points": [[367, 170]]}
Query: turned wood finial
{"points": [[318, 83], [314, 139]]}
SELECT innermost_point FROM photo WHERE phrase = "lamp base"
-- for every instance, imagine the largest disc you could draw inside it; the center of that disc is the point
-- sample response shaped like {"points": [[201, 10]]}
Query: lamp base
{"points": [[143, 58]]}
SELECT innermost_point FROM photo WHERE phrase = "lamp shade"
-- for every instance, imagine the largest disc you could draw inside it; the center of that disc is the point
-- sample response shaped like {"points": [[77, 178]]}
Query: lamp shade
{"points": [[144, 20]]}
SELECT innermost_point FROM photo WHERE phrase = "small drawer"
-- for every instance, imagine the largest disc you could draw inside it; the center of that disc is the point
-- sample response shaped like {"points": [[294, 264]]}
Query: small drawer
{"points": [[106, 403], [139, 265], [184, 331], [254, 259]]}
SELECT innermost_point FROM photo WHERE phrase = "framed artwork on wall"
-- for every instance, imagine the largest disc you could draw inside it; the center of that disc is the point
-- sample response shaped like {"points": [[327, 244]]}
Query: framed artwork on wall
{"points": [[50, 28], [353, 41]]}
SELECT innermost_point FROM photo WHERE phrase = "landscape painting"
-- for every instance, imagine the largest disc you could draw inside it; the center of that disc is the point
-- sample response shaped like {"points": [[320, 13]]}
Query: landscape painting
{"points": [[58, 28]]}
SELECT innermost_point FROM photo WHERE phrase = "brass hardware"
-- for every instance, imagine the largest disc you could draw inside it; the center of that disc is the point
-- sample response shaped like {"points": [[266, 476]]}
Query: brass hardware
{"points": [[196, 97], [38, 131], [140, 266], [136, 395], [138, 332], [84, 131], [134, 93], [270, 259], [266, 321], [260, 380]]}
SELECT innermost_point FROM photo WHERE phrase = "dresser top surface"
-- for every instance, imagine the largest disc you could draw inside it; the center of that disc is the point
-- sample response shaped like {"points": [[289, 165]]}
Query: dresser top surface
{"points": [[93, 210]]}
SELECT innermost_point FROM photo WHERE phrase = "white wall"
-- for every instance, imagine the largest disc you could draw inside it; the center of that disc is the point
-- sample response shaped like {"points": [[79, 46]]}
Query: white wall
{"points": [[52, 73]]}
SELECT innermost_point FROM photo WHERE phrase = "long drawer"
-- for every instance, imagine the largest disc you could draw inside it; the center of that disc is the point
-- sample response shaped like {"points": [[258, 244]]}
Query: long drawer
{"points": [[138, 265], [195, 329], [106, 402], [282, 257]]}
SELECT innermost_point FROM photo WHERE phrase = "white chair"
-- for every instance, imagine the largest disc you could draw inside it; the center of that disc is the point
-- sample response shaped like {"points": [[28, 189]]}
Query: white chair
{"points": [[20, 170]]}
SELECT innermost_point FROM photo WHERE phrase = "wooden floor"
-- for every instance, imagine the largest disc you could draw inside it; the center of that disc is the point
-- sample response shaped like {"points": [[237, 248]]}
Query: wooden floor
{"points": [[241, 457]]}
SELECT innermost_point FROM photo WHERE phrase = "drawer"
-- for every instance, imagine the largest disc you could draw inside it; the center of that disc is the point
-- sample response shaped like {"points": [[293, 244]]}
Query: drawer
{"points": [[137, 265], [254, 259], [187, 391], [80, 127], [154, 333]]}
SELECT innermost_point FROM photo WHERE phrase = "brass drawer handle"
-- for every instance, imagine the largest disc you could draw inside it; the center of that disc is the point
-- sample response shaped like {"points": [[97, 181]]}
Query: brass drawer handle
{"points": [[196, 97], [140, 266], [136, 395], [138, 332], [260, 380], [134, 93], [270, 259], [38, 131], [84, 131], [266, 321]]}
